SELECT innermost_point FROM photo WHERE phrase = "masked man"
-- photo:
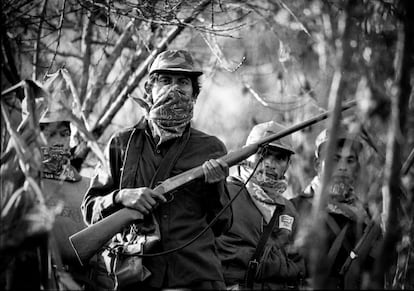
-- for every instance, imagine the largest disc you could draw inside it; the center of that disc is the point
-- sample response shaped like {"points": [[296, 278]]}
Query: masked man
{"points": [[347, 217], [259, 199], [162, 145]]}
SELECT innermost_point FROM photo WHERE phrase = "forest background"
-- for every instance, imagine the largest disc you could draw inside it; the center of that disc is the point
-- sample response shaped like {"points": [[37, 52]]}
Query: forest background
{"points": [[263, 60]]}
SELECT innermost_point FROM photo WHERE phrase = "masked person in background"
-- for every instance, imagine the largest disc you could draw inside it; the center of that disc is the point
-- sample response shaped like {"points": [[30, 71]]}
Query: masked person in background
{"points": [[346, 215], [257, 253], [62, 183], [62, 188], [162, 145]]}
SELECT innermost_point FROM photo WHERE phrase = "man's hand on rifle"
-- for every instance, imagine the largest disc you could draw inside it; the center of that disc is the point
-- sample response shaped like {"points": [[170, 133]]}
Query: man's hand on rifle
{"points": [[142, 199], [215, 170]]}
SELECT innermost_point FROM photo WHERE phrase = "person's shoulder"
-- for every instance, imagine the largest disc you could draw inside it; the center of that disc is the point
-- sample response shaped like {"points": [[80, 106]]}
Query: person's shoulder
{"points": [[125, 133], [202, 138], [301, 202]]}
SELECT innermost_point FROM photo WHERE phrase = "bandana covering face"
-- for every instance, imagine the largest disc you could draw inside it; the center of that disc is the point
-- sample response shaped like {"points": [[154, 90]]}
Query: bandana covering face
{"points": [[170, 114], [56, 164], [264, 191], [341, 191]]}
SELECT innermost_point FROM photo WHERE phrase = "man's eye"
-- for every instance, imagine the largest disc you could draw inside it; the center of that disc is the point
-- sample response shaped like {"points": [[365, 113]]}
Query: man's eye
{"points": [[65, 133], [164, 80], [185, 81]]}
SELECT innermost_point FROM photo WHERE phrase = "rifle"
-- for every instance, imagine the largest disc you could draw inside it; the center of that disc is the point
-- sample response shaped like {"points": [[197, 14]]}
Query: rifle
{"points": [[351, 269], [89, 240]]}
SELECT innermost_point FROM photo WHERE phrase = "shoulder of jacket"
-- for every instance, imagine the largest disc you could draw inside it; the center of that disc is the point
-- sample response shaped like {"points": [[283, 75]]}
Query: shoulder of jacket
{"points": [[211, 142], [125, 134]]}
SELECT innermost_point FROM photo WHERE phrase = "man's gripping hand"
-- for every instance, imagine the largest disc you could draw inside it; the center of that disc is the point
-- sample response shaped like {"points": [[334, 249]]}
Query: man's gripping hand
{"points": [[215, 170], [142, 199]]}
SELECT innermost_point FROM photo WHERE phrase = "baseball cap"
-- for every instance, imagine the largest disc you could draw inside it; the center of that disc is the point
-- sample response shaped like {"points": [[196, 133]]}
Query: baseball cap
{"points": [[343, 133], [176, 61], [265, 129]]}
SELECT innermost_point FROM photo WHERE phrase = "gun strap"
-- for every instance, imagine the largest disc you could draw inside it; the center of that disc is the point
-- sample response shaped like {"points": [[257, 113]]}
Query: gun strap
{"points": [[170, 159], [372, 231], [254, 261], [336, 230], [336, 246]]}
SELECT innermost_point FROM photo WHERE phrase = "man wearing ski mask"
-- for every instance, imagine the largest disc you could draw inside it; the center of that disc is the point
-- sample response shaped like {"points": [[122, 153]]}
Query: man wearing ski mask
{"points": [[347, 216], [163, 145], [260, 185]]}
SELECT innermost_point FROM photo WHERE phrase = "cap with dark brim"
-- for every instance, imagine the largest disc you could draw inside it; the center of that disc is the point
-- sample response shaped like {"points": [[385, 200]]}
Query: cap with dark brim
{"points": [[174, 61], [179, 71]]}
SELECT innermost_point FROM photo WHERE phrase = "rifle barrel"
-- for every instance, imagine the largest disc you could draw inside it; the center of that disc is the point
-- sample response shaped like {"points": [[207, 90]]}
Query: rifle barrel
{"points": [[103, 230]]}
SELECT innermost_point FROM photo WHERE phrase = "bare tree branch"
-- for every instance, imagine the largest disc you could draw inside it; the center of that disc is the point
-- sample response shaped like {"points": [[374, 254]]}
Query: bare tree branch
{"points": [[139, 74], [62, 17], [93, 95], [396, 140], [138, 57], [319, 248], [86, 51], [36, 44]]}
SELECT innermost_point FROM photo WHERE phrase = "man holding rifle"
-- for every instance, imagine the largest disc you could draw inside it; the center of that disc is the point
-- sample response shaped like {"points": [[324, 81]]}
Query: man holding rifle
{"points": [[257, 253], [162, 145], [351, 234]]}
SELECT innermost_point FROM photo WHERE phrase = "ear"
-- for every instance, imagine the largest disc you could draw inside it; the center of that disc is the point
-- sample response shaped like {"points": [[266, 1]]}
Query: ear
{"points": [[147, 87]]}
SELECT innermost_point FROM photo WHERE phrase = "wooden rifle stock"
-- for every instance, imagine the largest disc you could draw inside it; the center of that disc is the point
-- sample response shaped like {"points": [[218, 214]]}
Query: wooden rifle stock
{"points": [[89, 240]]}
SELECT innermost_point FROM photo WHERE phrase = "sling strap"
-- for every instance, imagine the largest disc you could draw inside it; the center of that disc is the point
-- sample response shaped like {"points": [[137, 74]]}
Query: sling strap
{"points": [[336, 245], [254, 261]]}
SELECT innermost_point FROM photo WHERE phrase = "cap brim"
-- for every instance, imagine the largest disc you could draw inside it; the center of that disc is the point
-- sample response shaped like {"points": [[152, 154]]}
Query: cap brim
{"points": [[279, 147], [181, 71]]}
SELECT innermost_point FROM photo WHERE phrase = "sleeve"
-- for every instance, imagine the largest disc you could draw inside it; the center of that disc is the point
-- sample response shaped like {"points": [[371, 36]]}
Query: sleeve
{"points": [[216, 205], [98, 201], [218, 197], [279, 265], [280, 260]]}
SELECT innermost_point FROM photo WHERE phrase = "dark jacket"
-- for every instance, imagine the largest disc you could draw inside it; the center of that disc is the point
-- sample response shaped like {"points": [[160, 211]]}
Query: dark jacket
{"points": [[344, 217], [180, 219], [278, 267]]}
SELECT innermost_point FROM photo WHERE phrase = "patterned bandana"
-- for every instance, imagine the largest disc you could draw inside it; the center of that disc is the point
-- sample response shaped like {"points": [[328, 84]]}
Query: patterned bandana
{"points": [[264, 191], [56, 164], [344, 200], [170, 114]]}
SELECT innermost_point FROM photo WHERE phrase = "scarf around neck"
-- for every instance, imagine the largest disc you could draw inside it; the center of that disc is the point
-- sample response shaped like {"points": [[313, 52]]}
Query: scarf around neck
{"points": [[56, 165]]}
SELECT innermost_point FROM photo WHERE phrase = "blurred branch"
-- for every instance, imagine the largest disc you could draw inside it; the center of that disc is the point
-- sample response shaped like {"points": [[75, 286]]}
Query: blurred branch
{"points": [[218, 52], [138, 57], [278, 106], [62, 17], [8, 63], [86, 51], [36, 44], [399, 108], [318, 235], [408, 163], [92, 98], [141, 71]]}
